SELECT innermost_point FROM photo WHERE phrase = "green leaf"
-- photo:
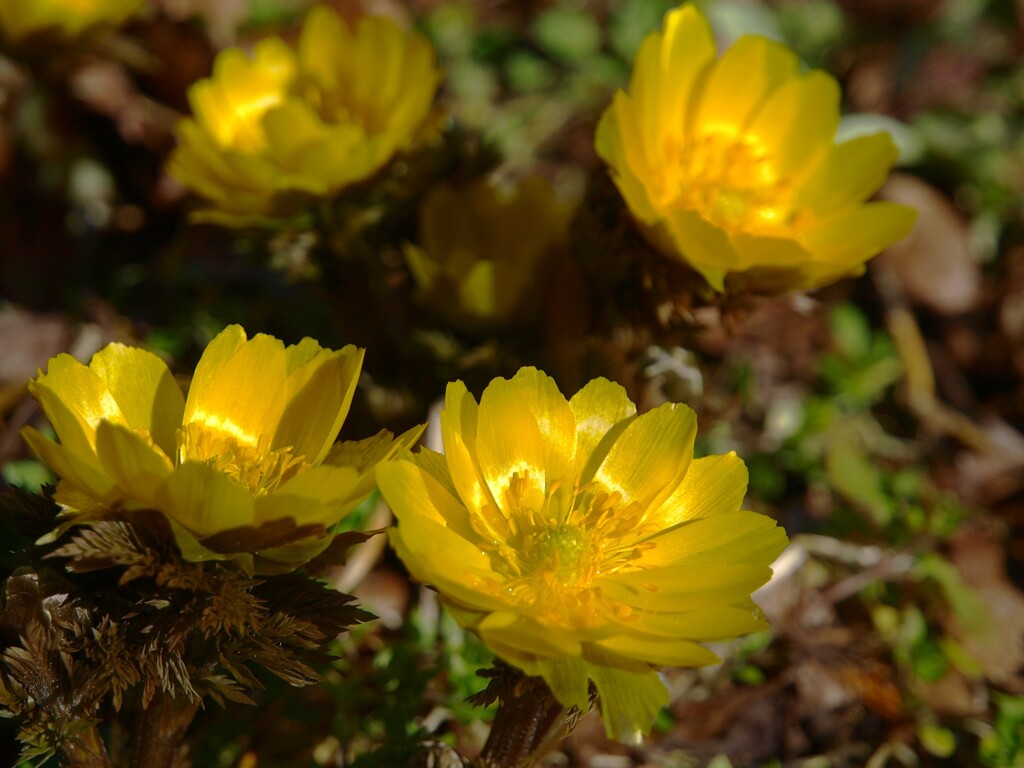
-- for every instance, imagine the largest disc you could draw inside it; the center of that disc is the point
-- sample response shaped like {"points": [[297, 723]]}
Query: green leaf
{"points": [[27, 474], [850, 332], [854, 477], [526, 72], [937, 740], [567, 34]]}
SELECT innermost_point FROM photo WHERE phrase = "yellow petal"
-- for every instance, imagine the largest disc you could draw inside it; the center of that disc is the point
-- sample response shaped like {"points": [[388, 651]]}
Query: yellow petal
{"points": [[204, 500], [713, 485], [217, 354], [332, 486], [706, 625], [324, 39], [630, 701], [314, 414], [81, 470], [852, 238], [796, 125], [852, 171], [344, 155], [436, 465], [425, 270], [567, 676], [646, 92], [479, 293], [687, 51], [739, 537], [428, 551], [458, 432], [602, 410], [292, 128], [77, 502], [366, 455], [642, 474], [511, 630], [304, 509], [75, 401], [525, 423], [739, 82], [397, 94], [306, 351], [239, 388], [619, 144], [658, 650], [145, 391], [242, 90], [239, 181], [689, 587], [411, 490], [754, 251], [703, 245], [132, 461]]}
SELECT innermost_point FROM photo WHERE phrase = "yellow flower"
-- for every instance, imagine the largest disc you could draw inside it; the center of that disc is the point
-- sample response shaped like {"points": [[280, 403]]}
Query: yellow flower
{"points": [[274, 130], [22, 18], [729, 164], [482, 247], [580, 541], [251, 445]]}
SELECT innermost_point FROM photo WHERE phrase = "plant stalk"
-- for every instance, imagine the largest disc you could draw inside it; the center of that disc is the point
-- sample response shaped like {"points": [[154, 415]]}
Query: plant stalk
{"points": [[528, 724], [160, 730]]}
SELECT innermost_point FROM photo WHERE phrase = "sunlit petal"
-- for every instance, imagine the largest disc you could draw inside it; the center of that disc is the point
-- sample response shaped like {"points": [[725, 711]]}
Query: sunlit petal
{"points": [[730, 166]]}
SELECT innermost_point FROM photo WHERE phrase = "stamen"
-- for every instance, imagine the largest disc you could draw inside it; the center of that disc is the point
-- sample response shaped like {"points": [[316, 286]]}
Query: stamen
{"points": [[257, 467], [730, 181], [553, 556]]}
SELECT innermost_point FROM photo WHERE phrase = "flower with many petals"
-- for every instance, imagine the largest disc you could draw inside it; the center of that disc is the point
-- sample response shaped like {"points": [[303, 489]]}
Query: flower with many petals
{"points": [[273, 130], [582, 542], [730, 165], [22, 18], [482, 247], [250, 446]]}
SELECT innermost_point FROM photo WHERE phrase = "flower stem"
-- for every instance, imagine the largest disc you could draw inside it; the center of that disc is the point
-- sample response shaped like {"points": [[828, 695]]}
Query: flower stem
{"points": [[160, 730], [528, 723]]}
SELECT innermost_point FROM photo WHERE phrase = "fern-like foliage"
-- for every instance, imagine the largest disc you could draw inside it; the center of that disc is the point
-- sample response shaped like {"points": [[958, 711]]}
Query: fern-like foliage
{"points": [[110, 618]]}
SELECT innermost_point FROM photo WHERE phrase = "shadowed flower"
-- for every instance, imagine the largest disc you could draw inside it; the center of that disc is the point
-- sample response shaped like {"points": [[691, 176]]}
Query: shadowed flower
{"points": [[582, 542], [21, 18], [482, 247], [250, 446], [272, 130], [729, 163]]}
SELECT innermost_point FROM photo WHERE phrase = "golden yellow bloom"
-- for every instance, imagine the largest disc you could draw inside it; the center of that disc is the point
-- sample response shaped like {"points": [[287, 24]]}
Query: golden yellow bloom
{"points": [[273, 130], [582, 542], [252, 443], [21, 18], [729, 164], [482, 247]]}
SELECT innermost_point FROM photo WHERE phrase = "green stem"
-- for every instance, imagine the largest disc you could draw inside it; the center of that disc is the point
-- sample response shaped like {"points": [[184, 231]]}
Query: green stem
{"points": [[160, 730]]}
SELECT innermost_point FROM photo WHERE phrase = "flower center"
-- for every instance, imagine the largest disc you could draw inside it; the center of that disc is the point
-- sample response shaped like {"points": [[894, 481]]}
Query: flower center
{"points": [[552, 556], [730, 181], [559, 550], [258, 468]]}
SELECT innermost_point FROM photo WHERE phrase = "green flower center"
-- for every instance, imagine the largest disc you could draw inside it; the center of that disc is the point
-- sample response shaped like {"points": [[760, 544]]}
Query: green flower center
{"points": [[559, 550]]}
